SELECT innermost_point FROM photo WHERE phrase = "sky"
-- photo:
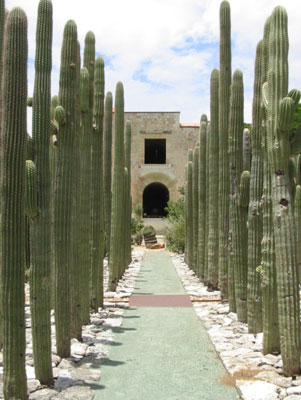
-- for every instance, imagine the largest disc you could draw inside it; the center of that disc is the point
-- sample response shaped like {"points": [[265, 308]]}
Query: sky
{"points": [[164, 50]]}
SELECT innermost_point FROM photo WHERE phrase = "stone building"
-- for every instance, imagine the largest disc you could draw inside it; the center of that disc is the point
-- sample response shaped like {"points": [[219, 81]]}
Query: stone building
{"points": [[159, 154]]}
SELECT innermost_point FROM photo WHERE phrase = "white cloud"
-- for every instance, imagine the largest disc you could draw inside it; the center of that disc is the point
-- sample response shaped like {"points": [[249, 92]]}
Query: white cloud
{"points": [[170, 45]]}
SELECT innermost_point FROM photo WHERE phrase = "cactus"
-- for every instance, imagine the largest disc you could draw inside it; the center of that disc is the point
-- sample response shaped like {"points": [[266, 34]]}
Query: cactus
{"points": [[85, 190], [127, 145], [41, 226], [279, 120], [31, 201], [298, 226], [189, 216], [12, 204], [202, 197], [65, 114], [117, 190], [206, 281], [96, 278], [223, 175], [76, 266], [187, 245], [213, 183], [239, 194], [3, 18], [195, 202], [108, 167], [246, 150], [255, 212]]}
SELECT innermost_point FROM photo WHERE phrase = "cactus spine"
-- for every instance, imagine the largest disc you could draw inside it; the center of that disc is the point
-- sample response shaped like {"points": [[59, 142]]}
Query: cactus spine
{"points": [[66, 118], [195, 201], [255, 212], [212, 206], [117, 190], [13, 153], [108, 167], [31, 203], [85, 187], [224, 107], [96, 283], [279, 119], [238, 201], [41, 226], [202, 196]]}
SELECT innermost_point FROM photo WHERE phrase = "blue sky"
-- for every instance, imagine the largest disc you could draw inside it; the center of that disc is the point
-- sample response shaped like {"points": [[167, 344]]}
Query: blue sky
{"points": [[164, 50]]}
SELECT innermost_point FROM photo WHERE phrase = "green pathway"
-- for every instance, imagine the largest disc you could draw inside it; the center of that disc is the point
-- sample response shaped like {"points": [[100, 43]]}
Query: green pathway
{"points": [[162, 353]]}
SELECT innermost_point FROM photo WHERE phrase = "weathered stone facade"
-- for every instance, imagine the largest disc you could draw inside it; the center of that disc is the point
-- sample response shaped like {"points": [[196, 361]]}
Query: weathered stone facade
{"points": [[179, 138]]}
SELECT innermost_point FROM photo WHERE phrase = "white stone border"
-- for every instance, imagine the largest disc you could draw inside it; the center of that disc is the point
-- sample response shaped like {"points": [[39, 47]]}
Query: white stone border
{"points": [[76, 377], [258, 377]]}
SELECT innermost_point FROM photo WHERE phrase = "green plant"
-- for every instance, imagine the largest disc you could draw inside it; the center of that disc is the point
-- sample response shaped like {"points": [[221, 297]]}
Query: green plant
{"points": [[13, 153], [195, 201], [175, 232], [239, 201], [97, 252], [223, 177], [255, 209], [41, 226], [65, 114], [280, 107], [189, 215], [108, 167], [213, 183], [116, 242], [202, 198]]}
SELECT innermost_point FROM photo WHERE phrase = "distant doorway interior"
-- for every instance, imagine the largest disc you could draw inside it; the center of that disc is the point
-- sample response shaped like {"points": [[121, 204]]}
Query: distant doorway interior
{"points": [[155, 198], [155, 151]]}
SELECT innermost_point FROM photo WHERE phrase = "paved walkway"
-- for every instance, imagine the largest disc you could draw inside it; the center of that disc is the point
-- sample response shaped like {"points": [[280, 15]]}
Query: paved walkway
{"points": [[162, 353]]}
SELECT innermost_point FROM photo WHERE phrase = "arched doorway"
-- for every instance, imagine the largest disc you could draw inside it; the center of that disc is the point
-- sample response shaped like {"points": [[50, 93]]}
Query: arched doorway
{"points": [[155, 198]]}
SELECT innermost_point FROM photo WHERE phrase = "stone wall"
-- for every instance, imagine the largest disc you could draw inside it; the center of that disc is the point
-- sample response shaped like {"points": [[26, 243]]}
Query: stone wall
{"points": [[179, 138]]}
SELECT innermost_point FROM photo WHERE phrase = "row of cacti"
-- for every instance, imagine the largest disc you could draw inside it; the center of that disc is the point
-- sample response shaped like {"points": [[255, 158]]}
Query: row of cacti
{"points": [[58, 182], [248, 204]]}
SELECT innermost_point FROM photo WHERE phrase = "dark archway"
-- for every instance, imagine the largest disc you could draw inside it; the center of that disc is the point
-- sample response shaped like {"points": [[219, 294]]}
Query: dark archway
{"points": [[155, 198]]}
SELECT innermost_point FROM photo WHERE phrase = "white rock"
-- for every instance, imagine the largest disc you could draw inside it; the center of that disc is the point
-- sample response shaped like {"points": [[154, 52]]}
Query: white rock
{"points": [[294, 390], [257, 390]]}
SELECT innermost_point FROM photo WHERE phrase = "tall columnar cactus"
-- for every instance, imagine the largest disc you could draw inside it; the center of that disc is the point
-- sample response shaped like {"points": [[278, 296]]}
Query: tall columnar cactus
{"points": [[96, 279], [202, 197], [2, 29], [76, 265], [65, 115], [269, 286], [128, 149], [85, 190], [206, 281], [239, 195], [41, 225], [187, 245], [224, 107], [255, 209], [189, 211], [195, 201], [212, 206], [280, 108], [13, 153], [117, 190], [108, 167]]}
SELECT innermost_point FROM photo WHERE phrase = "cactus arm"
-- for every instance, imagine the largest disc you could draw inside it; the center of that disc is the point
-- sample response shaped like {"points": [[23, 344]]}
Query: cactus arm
{"points": [[31, 201]]}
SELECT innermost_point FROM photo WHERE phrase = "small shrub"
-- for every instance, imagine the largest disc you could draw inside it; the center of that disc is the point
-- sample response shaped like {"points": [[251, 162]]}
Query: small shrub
{"points": [[175, 232]]}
